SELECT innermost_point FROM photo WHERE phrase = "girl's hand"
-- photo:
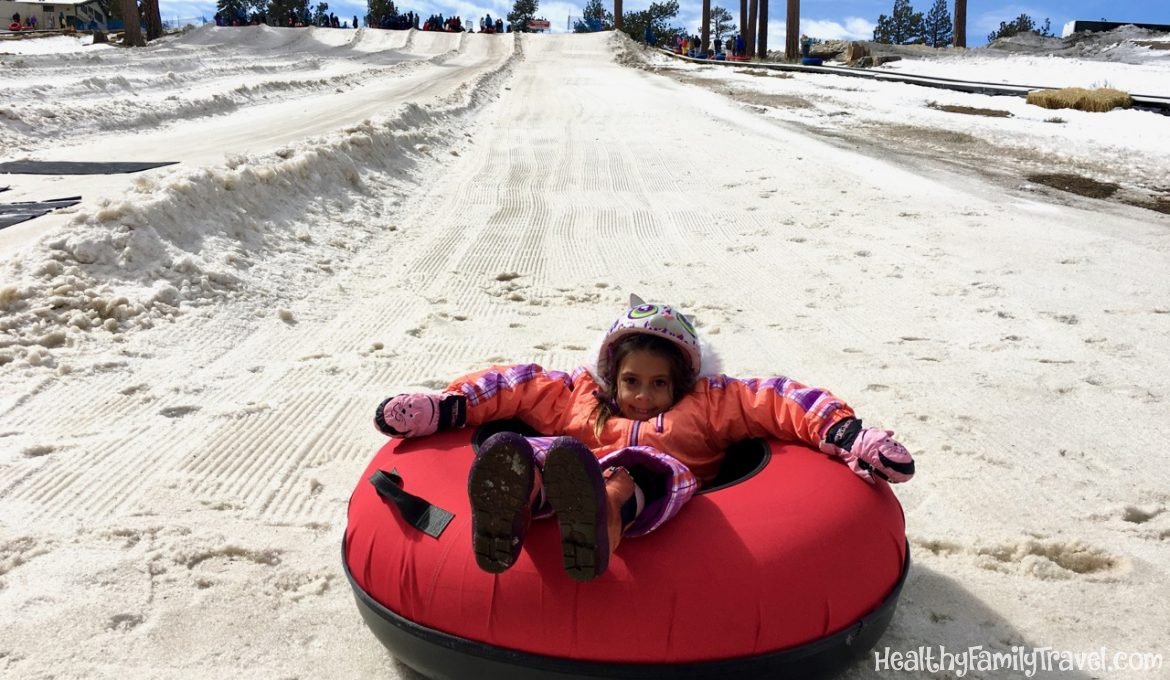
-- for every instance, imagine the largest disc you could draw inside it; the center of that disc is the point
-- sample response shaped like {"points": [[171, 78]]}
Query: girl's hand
{"points": [[875, 452], [417, 415], [408, 415]]}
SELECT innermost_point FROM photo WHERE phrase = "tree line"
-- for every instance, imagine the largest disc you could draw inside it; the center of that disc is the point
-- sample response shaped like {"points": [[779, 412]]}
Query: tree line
{"points": [[596, 17], [904, 26], [522, 12]]}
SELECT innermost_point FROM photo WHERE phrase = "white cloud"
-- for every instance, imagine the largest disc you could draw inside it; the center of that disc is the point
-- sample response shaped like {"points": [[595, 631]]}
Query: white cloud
{"points": [[558, 14], [849, 28], [186, 10], [852, 28]]}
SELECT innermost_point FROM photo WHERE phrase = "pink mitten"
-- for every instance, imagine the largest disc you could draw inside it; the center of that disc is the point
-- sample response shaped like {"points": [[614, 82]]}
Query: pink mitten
{"points": [[408, 415], [876, 452]]}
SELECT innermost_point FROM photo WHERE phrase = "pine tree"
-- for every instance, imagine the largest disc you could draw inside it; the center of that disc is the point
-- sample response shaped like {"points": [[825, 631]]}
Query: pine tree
{"points": [[232, 9], [281, 9], [131, 30], [1022, 24], [658, 16], [321, 13], [594, 17], [522, 12], [721, 23], [154, 27], [904, 27], [237, 9], [376, 9], [937, 28], [960, 23]]}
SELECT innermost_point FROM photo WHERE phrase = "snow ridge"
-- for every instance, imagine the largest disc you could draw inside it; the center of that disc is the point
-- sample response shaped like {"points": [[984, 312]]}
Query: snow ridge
{"points": [[192, 236]]}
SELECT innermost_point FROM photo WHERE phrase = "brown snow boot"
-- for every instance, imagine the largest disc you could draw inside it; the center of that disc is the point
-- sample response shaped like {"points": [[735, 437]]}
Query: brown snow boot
{"points": [[503, 486], [588, 505]]}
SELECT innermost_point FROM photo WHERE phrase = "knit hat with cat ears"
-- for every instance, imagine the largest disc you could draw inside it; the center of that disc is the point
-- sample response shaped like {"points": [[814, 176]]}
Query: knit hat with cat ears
{"points": [[656, 319]]}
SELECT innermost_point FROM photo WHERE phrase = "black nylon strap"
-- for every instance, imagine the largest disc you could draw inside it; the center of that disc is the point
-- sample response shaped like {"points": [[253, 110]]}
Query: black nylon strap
{"points": [[418, 513]]}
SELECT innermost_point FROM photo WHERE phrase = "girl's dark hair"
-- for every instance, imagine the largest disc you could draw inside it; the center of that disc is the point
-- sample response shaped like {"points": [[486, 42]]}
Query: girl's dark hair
{"points": [[681, 378]]}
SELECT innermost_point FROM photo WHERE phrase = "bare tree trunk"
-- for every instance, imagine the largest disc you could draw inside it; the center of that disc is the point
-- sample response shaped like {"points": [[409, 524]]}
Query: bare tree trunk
{"points": [[706, 43], [132, 34], [617, 14], [792, 34], [154, 27], [749, 36], [960, 23], [763, 41], [743, 21]]}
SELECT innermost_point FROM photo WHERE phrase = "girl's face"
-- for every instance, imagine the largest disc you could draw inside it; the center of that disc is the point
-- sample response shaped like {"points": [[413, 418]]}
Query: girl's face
{"points": [[644, 387]]}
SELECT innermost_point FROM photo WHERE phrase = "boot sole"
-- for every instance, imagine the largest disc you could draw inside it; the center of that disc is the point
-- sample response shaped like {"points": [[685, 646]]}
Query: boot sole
{"points": [[576, 492], [499, 486]]}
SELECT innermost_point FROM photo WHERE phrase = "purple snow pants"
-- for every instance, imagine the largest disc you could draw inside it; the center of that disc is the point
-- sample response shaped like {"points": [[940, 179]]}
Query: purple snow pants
{"points": [[672, 483]]}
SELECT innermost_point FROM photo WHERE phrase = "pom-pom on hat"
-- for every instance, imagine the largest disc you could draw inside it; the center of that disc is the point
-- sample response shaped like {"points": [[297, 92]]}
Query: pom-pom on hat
{"points": [[656, 319]]}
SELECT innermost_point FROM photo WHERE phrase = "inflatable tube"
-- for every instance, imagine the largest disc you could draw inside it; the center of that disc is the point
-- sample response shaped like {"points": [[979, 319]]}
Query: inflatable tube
{"points": [[792, 567]]}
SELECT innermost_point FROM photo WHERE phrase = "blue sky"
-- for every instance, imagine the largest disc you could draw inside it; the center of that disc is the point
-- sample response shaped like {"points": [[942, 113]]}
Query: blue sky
{"points": [[828, 19]]}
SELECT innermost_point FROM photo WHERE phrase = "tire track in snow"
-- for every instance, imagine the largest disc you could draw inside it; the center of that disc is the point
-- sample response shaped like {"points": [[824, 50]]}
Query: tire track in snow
{"points": [[581, 257], [86, 484], [248, 464]]}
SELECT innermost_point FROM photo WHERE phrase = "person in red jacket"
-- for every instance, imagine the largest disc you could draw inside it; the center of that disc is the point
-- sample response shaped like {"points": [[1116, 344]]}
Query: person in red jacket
{"points": [[638, 434]]}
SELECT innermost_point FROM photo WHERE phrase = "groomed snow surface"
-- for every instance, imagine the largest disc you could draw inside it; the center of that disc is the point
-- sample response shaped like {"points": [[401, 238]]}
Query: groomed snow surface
{"points": [[192, 355]]}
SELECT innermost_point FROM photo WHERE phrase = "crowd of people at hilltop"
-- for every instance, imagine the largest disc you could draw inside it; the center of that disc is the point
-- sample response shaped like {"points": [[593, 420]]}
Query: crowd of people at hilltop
{"points": [[692, 46], [436, 22], [292, 19]]}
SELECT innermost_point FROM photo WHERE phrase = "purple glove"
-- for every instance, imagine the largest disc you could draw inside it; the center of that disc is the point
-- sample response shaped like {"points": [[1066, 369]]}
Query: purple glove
{"points": [[872, 451], [417, 415]]}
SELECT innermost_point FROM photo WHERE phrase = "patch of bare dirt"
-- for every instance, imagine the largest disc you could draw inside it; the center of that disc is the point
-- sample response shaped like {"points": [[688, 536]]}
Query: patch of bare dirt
{"points": [[776, 101], [763, 73], [934, 137], [1158, 204], [1011, 165], [970, 110], [1007, 166], [1076, 184]]}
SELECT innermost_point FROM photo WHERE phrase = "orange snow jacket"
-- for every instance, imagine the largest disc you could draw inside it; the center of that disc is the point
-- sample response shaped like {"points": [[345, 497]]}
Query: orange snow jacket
{"points": [[718, 412]]}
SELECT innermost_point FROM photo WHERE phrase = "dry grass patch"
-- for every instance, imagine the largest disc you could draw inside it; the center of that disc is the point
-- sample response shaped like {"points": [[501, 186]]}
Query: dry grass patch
{"points": [[1076, 184], [970, 110], [1081, 99]]}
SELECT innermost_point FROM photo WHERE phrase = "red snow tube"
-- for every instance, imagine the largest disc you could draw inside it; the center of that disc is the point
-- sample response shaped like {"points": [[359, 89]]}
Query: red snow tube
{"points": [[789, 566]]}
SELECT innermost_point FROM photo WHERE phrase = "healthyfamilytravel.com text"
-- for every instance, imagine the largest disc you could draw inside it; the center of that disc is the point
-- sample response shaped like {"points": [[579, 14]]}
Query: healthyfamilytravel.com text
{"points": [[1018, 660]]}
